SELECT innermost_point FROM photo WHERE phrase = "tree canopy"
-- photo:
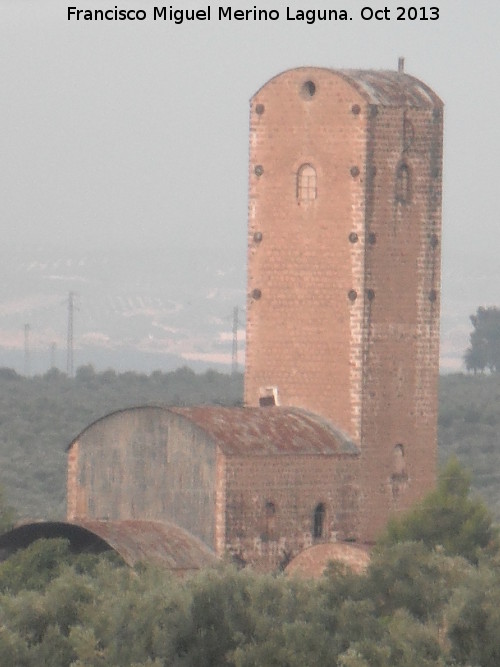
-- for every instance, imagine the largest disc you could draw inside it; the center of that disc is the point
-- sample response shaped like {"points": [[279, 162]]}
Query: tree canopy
{"points": [[447, 517], [484, 350], [417, 605]]}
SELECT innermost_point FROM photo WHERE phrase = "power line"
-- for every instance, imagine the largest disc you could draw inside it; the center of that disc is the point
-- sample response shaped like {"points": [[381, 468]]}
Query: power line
{"points": [[53, 347], [69, 361]]}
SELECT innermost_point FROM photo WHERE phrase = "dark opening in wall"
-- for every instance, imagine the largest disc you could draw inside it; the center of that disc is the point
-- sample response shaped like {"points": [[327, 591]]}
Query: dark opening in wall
{"points": [[403, 183], [266, 401], [353, 237], [308, 89], [269, 527], [408, 133], [352, 294], [269, 508], [319, 521], [259, 109], [399, 477]]}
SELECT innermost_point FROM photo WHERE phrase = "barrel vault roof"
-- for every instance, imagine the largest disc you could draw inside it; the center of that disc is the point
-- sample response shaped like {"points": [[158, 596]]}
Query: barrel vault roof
{"points": [[269, 431], [379, 87], [163, 543], [253, 431]]}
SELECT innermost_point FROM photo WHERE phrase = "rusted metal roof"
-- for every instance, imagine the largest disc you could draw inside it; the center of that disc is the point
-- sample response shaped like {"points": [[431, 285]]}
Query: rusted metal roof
{"points": [[255, 431], [155, 542], [269, 431], [390, 89], [163, 543], [380, 87]]}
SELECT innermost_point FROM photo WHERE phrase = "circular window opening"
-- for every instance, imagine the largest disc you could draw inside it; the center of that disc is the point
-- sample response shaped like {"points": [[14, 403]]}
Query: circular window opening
{"points": [[353, 237], [356, 109], [370, 294], [308, 89], [352, 294], [257, 237], [259, 109], [372, 238], [259, 170], [256, 293], [354, 171]]}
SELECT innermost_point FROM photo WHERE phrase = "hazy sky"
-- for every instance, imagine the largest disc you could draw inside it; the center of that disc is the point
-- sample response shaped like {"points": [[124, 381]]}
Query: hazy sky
{"points": [[135, 133]]}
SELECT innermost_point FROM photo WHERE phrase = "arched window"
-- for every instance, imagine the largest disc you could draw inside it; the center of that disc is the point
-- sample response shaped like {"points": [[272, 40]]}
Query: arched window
{"points": [[306, 183], [408, 132], [403, 183], [319, 521]]}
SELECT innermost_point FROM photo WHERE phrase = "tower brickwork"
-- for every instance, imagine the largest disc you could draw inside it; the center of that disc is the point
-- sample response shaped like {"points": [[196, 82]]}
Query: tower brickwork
{"points": [[343, 268]]}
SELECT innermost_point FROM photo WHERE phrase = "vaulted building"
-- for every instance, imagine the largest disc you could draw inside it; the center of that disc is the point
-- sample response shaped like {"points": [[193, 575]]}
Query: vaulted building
{"points": [[339, 428]]}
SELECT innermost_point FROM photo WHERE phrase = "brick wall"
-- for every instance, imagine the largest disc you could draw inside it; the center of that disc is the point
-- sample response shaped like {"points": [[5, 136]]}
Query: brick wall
{"points": [[401, 322], [303, 333], [271, 503], [343, 289]]}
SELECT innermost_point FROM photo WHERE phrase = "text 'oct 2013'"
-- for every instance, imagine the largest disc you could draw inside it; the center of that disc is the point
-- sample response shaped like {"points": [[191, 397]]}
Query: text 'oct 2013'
{"points": [[226, 13]]}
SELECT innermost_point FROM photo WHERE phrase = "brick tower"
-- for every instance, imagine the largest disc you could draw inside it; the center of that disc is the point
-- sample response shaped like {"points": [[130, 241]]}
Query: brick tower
{"points": [[344, 268]]}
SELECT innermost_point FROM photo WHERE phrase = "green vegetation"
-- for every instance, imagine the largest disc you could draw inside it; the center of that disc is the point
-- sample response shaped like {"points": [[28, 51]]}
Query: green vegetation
{"points": [[469, 430], [447, 517], [414, 607], [484, 350]]}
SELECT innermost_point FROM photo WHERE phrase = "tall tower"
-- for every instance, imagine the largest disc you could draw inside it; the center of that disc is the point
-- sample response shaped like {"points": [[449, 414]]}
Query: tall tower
{"points": [[344, 267]]}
